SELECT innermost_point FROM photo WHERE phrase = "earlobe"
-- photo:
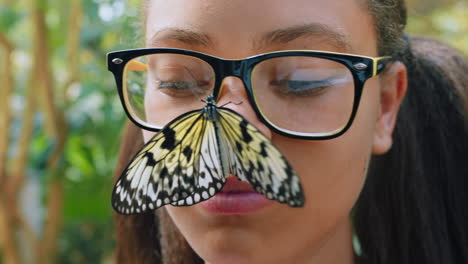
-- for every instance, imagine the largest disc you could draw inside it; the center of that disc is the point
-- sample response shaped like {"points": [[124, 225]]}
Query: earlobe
{"points": [[393, 89]]}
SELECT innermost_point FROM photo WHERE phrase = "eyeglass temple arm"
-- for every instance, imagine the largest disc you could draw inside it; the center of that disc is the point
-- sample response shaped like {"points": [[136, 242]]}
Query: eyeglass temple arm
{"points": [[380, 63]]}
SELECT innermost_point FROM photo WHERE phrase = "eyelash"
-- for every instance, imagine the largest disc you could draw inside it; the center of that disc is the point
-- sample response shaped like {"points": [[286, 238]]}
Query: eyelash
{"points": [[183, 89], [319, 86]]}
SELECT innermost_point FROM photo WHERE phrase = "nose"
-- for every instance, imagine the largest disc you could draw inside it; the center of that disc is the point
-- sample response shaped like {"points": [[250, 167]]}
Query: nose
{"points": [[233, 95]]}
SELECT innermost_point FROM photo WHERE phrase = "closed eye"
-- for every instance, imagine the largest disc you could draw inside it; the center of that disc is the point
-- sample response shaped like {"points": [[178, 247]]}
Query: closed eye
{"points": [[183, 88], [301, 87]]}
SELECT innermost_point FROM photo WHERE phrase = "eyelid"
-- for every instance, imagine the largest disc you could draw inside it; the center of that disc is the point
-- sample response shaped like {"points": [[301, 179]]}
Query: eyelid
{"points": [[172, 90], [308, 91], [342, 78], [310, 84], [177, 85]]}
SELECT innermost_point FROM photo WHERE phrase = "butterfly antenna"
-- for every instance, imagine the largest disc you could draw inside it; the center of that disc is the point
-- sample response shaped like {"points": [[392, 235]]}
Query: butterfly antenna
{"points": [[231, 102]]}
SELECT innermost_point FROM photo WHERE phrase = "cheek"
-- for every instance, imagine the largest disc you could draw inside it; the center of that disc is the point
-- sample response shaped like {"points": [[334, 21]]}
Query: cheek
{"points": [[332, 174], [147, 135]]}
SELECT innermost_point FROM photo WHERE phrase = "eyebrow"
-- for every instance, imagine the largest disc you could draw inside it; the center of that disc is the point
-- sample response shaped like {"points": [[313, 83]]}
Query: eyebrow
{"points": [[313, 30], [182, 35], [278, 36]]}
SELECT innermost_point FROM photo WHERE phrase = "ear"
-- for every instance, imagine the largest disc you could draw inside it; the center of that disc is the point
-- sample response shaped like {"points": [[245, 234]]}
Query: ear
{"points": [[393, 84]]}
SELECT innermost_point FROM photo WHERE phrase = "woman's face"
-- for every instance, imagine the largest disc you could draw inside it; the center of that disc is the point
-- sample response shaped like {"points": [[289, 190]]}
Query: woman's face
{"points": [[332, 172]]}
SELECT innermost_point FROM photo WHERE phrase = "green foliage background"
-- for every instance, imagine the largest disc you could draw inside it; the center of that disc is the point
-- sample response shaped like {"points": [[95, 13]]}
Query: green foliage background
{"points": [[94, 114], [445, 20]]}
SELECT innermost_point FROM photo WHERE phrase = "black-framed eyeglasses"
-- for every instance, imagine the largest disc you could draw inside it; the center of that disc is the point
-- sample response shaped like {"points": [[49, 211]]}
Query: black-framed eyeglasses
{"points": [[299, 93]]}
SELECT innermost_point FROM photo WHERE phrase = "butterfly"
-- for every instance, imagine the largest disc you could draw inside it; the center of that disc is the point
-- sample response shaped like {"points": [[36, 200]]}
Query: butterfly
{"points": [[188, 162]]}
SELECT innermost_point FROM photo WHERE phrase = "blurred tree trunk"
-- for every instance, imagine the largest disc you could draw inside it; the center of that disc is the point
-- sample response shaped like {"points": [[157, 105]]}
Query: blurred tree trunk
{"points": [[56, 129], [7, 228], [40, 93], [6, 73], [73, 45], [47, 251]]}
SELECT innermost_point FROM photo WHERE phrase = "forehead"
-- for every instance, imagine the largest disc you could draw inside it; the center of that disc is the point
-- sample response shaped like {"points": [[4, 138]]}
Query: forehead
{"points": [[238, 28]]}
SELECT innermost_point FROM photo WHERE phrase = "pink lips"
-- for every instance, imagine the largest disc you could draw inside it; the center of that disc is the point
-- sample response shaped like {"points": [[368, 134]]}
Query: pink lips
{"points": [[236, 197]]}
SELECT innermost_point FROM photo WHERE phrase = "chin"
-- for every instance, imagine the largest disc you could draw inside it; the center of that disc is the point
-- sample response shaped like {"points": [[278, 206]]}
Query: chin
{"points": [[228, 258], [227, 238], [229, 250]]}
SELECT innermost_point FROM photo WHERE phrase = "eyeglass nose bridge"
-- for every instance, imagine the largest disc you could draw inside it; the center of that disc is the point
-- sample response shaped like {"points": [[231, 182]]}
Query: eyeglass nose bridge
{"points": [[227, 68], [231, 68]]}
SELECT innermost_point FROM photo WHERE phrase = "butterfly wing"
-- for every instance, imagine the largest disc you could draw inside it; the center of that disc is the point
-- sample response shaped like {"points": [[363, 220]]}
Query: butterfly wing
{"points": [[165, 170], [257, 161], [213, 168]]}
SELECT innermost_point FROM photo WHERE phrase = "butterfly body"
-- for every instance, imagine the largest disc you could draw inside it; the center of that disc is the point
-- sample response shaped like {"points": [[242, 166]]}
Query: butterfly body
{"points": [[211, 109], [189, 160]]}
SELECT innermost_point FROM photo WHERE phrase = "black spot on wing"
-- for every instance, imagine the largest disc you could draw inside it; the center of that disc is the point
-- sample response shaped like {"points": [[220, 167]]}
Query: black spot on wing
{"points": [[187, 152], [239, 146], [150, 162], [164, 172], [246, 137], [263, 149], [202, 175], [169, 139], [260, 167]]}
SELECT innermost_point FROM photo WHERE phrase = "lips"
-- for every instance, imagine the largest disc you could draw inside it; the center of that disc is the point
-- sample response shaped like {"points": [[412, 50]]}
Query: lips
{"points": [[236, 197], [234, 185]]}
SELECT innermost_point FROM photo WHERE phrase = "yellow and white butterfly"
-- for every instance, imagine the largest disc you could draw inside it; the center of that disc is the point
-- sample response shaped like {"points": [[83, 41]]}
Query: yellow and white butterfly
{"points": [[189, 160]]}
